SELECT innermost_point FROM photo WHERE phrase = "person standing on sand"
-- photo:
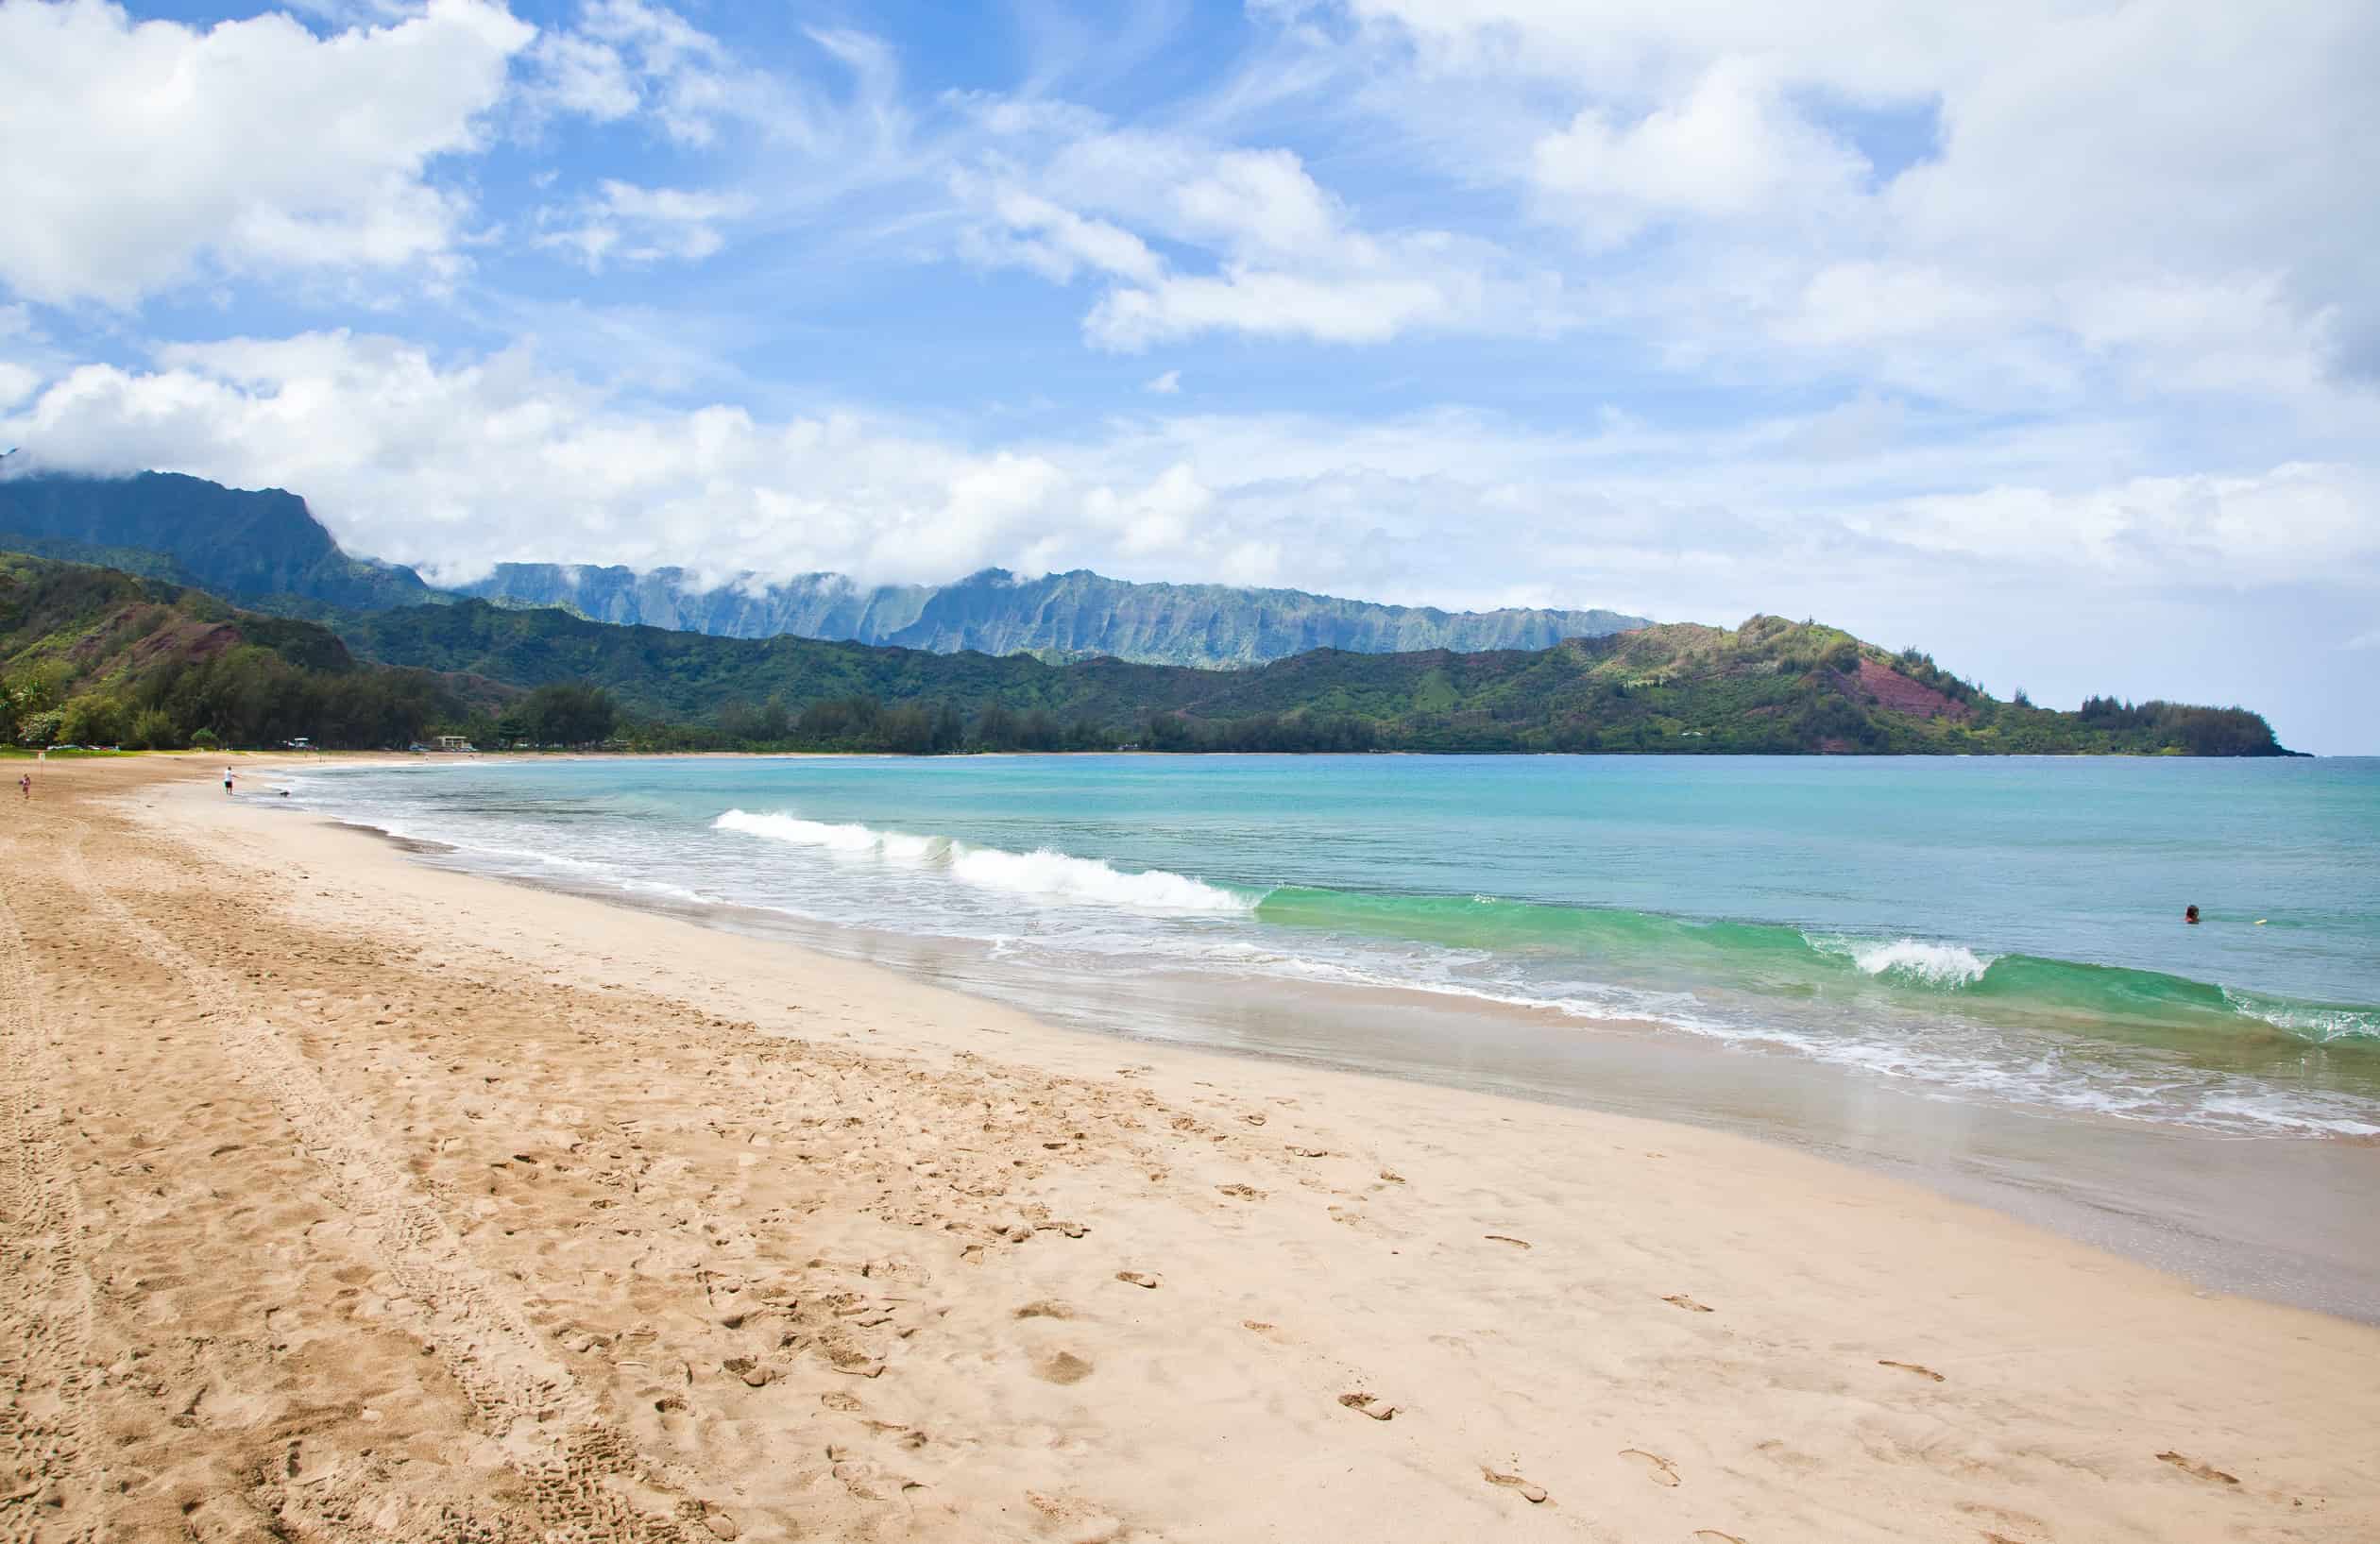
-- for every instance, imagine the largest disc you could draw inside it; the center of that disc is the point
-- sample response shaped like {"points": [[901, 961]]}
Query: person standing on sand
{"points": [[227, 779], [25, 785]]}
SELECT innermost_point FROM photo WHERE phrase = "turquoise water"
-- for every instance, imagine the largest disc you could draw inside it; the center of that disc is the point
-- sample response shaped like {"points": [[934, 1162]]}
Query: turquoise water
{"points": [[1996, 930]]}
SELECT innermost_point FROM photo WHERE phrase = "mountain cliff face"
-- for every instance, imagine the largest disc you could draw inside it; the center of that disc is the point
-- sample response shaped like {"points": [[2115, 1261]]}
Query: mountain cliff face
{"points": [[1064, 616], [251, 546], [816, 605]]}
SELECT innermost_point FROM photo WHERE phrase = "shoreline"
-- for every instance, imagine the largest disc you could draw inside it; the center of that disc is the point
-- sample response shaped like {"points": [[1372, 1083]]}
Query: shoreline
{"points": [[2279, 1217], [799, 1245]]}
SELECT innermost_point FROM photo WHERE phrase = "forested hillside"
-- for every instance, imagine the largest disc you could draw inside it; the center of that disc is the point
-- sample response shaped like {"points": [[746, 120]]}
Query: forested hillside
{"points": [[1772, 686], [95, 656]]}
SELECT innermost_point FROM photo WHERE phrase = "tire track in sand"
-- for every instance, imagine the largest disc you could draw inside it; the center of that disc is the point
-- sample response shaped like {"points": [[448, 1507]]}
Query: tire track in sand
{"points": [[553, 1433], [49, 1468]]}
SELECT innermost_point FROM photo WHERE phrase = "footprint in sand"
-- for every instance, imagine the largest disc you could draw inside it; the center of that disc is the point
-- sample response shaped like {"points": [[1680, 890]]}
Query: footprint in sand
{"points": [[1064, 1367], [1369, 1404], [1044, 1309], [1682, 1300], [1656, 1468], [1912, 1367], [2191, 1465], [1392, 1177], [1138, 1279], [1245, 1193], [837, 1399], [1507, 1238], [1534, 1495], [1254, 1117], [1309, 1152]]}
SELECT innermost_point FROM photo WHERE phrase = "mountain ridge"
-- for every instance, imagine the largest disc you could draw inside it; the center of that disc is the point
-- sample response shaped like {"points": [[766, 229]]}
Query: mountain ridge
{"points": [[1074, 614], [265, 548]]}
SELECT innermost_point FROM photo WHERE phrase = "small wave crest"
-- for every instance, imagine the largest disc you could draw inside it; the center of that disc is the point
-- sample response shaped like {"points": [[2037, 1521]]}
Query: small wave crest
{"points": [[2318, 1022], [1043, 874], [834, 838], [1059, 877], [1947, 966]]}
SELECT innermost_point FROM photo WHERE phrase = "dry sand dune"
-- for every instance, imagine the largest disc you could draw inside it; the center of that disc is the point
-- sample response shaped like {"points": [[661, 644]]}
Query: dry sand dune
{"points": [[350, 1201]]}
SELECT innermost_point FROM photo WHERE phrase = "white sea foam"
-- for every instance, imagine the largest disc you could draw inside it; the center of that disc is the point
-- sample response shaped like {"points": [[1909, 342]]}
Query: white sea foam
{"points": [[2312, 1019], [834, 838], [1043, 874], [1910, 959], [1054, 875]]}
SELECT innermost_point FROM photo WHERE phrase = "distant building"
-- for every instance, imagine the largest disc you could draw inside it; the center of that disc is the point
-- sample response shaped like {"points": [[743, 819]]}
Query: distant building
{"points": [[454, 742]]}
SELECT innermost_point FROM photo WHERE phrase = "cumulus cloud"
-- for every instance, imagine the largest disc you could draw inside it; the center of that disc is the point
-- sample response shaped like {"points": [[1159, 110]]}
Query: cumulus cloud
{"points": [[1284, 258], [136, 155], [2117, 184], [1732, 148], [473, 460]]}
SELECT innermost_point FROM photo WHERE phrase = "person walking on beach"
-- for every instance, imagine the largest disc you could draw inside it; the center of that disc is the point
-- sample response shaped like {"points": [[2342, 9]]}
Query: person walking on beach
{"points": [[25, 785], [227, 779]]}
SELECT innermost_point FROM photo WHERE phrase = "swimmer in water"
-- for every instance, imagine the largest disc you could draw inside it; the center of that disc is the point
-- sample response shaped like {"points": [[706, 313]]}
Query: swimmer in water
{"points": [[2189, 914]]}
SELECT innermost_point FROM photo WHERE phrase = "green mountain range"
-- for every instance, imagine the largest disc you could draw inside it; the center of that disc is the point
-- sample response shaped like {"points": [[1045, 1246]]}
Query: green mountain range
{"points": [[1770, 685], [132, 652], [266, 550]]}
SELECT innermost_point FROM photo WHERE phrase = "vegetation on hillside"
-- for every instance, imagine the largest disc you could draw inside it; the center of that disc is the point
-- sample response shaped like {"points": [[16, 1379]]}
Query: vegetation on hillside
{"points": [[1770, 685], [95, 656]]}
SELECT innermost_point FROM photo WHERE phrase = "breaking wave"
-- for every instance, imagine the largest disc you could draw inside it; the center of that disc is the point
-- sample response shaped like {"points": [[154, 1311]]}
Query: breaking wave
{"points": [[1043, 874]]}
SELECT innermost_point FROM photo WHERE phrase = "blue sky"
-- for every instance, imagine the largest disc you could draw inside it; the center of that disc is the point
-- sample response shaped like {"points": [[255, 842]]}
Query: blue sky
{"points": [[2044, 335]]}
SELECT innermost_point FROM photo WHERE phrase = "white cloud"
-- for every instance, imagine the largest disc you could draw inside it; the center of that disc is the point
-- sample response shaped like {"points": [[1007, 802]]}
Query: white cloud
{"points": [[1289, 260], [1166, 384], [135, 154], [1730, 148], [2294, 522], [2175, 193], [625, 56], [1057, 243], [16, 383], [470, 461], [623, 223]]}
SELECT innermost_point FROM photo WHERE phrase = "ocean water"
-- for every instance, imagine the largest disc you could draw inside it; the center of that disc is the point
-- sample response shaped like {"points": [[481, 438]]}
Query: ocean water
{"points": [[1999, 932]]}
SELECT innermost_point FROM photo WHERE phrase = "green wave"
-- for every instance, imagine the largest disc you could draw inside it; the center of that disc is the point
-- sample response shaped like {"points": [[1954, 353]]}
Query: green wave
{"points": [[1773, 958]]}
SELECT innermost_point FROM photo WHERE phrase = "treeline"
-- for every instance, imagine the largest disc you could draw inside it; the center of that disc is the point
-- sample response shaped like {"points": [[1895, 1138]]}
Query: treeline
{"points": [[2200, 731], [249, 695], [577, 715]]}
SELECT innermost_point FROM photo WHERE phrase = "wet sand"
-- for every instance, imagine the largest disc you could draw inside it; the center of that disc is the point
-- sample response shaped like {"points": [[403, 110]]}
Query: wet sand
{"points": [[353, 1199]]}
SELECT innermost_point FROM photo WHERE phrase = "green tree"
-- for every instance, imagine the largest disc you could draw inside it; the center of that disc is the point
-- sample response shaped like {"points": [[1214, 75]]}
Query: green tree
{"points": [[570, 713]]}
